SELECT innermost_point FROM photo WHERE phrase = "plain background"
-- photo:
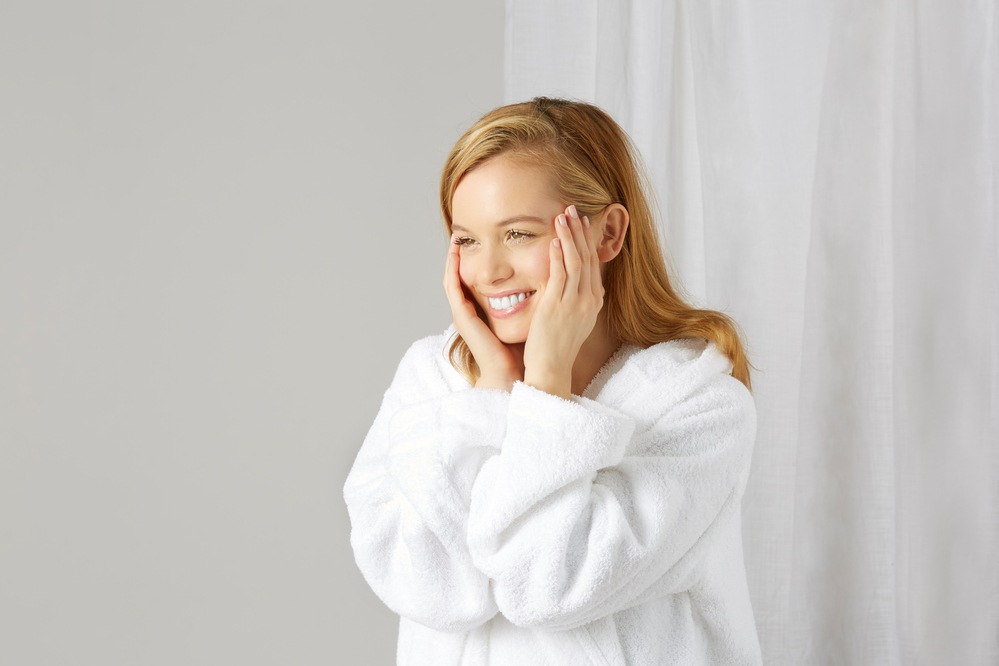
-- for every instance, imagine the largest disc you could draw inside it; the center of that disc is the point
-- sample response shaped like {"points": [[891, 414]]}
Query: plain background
{"points": [[218, 234]]}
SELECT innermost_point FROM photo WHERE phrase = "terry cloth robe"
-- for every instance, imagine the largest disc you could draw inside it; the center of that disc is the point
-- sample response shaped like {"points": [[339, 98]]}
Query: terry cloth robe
{"points": [[521, 528]]}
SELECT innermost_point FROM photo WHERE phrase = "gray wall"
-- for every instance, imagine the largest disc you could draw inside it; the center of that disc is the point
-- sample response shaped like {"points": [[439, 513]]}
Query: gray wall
{"points": [[218, 234]]}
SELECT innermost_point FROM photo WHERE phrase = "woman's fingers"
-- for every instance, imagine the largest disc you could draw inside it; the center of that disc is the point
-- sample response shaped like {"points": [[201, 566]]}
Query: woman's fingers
{"points": [[556, 272], [593, 240], [462, 310], [580, 236], [449, 263], [570, 254], [582, 264], [452, 283], [574, 266]]}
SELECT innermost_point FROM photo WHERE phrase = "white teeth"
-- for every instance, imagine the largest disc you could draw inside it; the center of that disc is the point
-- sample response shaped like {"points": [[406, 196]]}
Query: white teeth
{"points": [[506, 302]]}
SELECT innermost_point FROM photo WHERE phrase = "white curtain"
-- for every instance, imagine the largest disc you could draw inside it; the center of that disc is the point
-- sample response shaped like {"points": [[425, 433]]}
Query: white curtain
{"points": [[827, 174]]}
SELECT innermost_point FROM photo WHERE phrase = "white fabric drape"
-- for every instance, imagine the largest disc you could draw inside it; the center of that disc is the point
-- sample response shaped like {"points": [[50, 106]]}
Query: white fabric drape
{"points": [[827, 174]]}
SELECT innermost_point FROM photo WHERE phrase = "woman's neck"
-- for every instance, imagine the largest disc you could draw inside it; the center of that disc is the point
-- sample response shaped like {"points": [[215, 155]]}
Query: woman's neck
{"points": [[593, 355]]}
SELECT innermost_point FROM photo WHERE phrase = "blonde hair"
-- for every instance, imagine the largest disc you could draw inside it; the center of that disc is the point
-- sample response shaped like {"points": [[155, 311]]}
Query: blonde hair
{"points": [[594, 165]]}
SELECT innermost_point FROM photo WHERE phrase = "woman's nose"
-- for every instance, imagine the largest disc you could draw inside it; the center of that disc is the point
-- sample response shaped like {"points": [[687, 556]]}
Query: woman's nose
{"points": [[496, 266]]}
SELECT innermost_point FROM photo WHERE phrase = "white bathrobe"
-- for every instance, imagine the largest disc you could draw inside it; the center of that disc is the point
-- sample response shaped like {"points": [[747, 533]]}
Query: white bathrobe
{"points": [[521, 528]]}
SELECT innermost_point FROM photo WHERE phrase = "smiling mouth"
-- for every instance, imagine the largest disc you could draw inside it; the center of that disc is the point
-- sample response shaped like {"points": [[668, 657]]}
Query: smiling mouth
{"points": [[509, 301]]}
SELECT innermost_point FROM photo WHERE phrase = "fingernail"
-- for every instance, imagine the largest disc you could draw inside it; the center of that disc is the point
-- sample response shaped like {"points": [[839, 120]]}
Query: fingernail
{"points": [[586, 221], [572, 211], [561, 220], [557, 243]]}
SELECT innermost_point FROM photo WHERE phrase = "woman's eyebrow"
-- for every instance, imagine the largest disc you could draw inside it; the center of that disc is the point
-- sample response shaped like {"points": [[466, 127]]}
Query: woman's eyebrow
{"points": [[522, 218], [534, 219]]}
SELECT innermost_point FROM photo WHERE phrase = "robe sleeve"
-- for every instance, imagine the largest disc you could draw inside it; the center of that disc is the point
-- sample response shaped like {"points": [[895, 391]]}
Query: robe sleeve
{"points": [[408, 494], [587, 510]]}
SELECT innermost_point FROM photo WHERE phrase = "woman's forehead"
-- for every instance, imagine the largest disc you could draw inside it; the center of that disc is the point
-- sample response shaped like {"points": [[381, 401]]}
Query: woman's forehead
{"points": [[501, 189]]}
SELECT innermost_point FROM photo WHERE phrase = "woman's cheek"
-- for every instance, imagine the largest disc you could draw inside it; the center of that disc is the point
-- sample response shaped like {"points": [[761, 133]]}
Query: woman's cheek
{"points": [[465, 270], [541, 265]]}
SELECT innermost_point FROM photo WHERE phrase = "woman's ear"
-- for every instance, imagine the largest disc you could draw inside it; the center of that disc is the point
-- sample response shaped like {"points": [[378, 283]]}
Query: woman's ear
{"points": [[615, 225]]}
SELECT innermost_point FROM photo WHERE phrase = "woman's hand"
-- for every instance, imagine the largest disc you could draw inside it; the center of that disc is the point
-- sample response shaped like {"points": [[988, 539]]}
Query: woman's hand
{"points": [[567, 308], [500, 365]]}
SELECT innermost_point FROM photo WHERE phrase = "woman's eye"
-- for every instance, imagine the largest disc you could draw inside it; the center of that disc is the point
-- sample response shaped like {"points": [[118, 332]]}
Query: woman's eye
{"points": [[463, 241], [515, 235]]}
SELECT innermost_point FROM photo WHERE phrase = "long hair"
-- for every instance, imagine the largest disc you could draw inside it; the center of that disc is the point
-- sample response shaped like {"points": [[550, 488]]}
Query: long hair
{"points": [[593, 164]]}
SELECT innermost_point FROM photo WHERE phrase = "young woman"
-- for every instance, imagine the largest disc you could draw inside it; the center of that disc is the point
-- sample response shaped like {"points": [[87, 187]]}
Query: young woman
{"points": [[557, 478]]}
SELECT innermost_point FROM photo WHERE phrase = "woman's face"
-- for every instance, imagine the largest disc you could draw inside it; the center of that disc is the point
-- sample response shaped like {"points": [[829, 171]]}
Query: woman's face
{"points": [[503, 217]]}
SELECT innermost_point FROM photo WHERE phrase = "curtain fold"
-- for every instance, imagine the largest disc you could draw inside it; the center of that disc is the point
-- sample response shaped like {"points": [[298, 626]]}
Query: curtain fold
{"points": [[827, 173]]}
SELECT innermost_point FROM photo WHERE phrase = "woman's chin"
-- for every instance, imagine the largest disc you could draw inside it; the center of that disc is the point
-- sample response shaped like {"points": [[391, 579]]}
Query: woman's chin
{"points": [[510, 337]]}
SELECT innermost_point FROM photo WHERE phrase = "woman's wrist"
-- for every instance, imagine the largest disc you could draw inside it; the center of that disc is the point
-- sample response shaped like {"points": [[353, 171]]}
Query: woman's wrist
{"points": [[556, 383], [496, 381]]}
